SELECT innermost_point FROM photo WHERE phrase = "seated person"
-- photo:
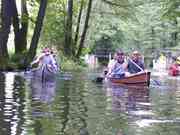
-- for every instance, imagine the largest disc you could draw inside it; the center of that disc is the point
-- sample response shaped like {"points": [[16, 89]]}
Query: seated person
{"points": [[118, 68], [135, 64], [175, 68], [46, 58], [110, 64], [54, 54]]}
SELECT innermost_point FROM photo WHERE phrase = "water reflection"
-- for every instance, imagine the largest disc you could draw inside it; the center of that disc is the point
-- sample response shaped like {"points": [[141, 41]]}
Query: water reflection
{"points": [[134, 103], [147, 113], [14, 114], [43, 92], [128, 100], [81, 107], [72, 117], [59, 109]]}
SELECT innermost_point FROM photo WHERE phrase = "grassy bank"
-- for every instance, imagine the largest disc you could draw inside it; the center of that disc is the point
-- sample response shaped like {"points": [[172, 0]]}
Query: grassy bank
{"points": [[70, 64]]}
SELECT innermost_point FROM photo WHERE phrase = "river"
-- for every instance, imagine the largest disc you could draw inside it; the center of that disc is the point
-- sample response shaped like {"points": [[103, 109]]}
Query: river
{"points": [[75, 105]]}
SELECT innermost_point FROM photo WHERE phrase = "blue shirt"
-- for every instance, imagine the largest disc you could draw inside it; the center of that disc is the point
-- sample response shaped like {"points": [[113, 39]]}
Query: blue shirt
{"points": [[118, 71]]}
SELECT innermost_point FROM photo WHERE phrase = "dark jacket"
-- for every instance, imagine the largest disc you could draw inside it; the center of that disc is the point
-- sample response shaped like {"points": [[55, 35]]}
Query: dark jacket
{"points": [[132, 68]]}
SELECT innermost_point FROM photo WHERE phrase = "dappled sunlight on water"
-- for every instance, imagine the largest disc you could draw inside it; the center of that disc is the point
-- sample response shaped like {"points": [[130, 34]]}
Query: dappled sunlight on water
{"points": [[78, 106]]}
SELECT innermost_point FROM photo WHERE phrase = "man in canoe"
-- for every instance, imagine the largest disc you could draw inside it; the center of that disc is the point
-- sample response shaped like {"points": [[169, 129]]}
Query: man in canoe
{"points": [[118, 67], [174, 69], [135, 63], [46, 58]]}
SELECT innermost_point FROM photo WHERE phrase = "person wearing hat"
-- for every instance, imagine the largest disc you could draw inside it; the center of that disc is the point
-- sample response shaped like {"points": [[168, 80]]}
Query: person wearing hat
{"points": [[174, 69], [135, 63], [119, 66]]}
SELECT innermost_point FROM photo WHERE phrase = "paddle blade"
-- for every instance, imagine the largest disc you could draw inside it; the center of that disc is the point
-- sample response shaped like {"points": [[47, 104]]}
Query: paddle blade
{"points": [[99, 79], [155, 82]]}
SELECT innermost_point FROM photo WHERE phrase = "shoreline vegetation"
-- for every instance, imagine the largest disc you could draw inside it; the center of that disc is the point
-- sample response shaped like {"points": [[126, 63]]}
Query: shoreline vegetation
{"points": [[66, 64]]}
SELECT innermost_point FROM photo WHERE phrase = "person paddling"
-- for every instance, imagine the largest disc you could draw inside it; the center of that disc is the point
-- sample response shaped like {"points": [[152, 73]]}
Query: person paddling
{"points": [[118, 69], [110, 65], [135, 63], [46, 58]]}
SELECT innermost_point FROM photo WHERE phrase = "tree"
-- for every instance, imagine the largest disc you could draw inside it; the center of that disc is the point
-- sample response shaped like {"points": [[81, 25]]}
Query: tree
{"points": [[83, 36], [34, 42], [68, 29], [78, 26], [20, 27], [6, 13]]}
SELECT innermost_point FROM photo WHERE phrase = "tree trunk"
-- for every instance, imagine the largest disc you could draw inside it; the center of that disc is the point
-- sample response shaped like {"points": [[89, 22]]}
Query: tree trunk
{"points": [[68, 29], [84, 30], [174, 35], [5, 28], [77, 28], [24, 28], [20, 33], [37, 30]]}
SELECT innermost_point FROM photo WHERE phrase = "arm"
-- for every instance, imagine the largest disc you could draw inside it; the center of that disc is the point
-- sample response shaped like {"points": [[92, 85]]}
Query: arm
{"points": [[142, 65], [37, 60], [53, 63], [125, 65], [111, 66]]}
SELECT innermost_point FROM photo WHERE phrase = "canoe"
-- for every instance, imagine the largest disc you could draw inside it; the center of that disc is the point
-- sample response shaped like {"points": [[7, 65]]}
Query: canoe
{"points": [[139, 79], [44, 73]]}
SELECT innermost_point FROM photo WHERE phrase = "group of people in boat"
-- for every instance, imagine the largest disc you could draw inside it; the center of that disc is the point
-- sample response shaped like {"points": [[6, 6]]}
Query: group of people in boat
{"points": [[122, 66], [48, 58]]}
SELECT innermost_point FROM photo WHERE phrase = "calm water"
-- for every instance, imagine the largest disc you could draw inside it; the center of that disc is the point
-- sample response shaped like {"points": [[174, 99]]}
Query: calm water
{"points": [[74, 105]]}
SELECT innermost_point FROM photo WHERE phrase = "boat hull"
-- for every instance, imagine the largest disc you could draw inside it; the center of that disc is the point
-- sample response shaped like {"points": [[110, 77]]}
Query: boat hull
{"points": [[44, 73], [139, 79]]}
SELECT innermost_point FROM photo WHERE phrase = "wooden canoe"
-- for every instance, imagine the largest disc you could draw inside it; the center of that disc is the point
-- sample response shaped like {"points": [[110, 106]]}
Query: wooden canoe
{"points": [[44, 73], [139, 79]]}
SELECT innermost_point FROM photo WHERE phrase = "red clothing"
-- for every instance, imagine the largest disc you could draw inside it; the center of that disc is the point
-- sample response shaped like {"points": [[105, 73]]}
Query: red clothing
{"points": [[173, 70]]}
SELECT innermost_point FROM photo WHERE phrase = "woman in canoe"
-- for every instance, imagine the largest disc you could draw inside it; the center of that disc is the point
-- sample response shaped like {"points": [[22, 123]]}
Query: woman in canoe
{"points": [[118, 67]]}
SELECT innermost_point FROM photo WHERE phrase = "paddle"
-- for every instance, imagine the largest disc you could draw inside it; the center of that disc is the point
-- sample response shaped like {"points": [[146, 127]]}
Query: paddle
{"points": [[100, 79], [136, 64], [28, 68]]}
